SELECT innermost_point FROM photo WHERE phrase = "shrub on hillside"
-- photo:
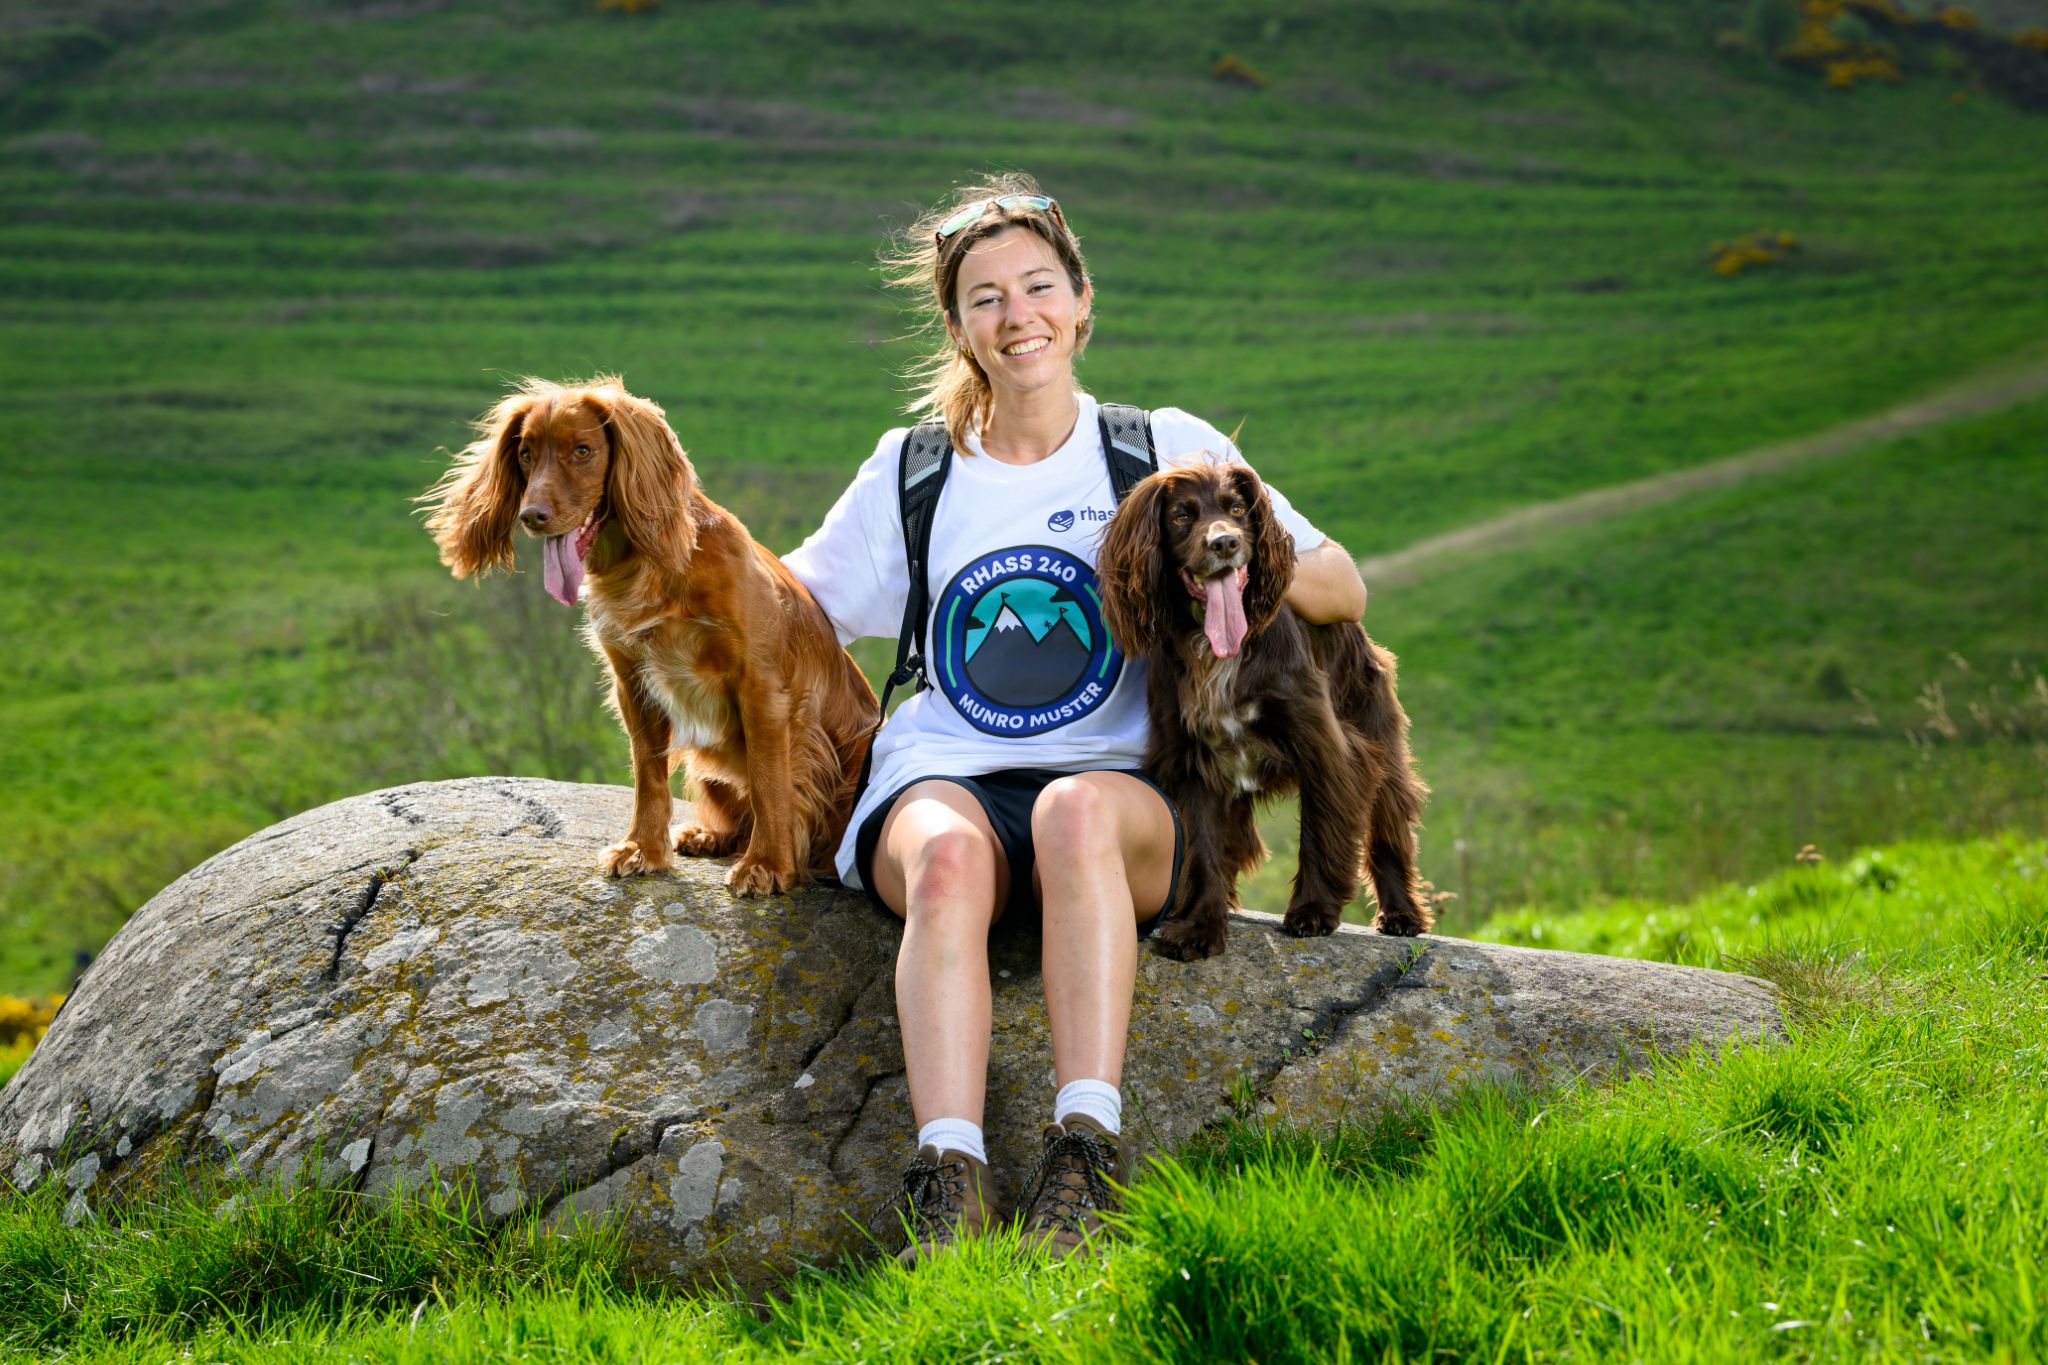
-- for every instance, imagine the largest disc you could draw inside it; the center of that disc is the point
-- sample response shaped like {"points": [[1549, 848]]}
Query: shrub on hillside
{"points": [[1759, 248], [26, 1020], [22, 1025], [1851, 42]]}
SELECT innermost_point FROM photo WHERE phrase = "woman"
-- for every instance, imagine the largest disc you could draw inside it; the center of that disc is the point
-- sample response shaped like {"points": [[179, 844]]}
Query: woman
{"points": [[1032, 731]]}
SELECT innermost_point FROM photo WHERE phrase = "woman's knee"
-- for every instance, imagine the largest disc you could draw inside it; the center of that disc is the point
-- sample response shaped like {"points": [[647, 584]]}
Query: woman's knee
{"points": [[1092, 818], [1076, 815], [938, 860], [950, 866]]}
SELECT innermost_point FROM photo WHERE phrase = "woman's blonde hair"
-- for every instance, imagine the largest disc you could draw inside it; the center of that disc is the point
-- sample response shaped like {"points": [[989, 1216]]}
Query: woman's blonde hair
{"points": [[946, 381]]}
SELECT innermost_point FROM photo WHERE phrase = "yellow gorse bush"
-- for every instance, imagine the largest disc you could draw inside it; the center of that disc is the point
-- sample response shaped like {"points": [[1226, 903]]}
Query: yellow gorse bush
{"points": [[26, 1020], [1762, 247], [1844, 61], [1841, 39]]}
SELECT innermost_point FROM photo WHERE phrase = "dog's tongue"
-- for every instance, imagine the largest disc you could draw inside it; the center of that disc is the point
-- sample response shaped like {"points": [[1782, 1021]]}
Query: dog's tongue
{"points": [[564, 568], [1223, 613]]}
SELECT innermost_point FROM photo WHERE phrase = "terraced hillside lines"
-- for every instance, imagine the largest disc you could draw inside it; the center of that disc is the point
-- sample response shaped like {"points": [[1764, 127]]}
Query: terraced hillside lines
{"points": [[2002, 387]]}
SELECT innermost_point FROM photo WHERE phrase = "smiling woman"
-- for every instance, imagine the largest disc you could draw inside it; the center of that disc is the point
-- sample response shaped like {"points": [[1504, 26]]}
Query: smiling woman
{"points": [[1030, 731], [1016, 252]]}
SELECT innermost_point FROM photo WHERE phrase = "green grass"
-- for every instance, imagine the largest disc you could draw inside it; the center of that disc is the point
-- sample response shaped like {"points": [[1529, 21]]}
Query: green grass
{"points": [[1866, 1190], [208, 1252], [1447, 263]]}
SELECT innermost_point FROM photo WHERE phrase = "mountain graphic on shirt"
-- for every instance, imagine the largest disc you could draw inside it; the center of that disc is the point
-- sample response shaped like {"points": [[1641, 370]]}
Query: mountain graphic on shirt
{"points": [[1011, 666]]}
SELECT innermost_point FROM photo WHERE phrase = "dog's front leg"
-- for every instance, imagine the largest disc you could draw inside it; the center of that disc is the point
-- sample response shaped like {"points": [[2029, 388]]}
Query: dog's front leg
{"points": [[1203, 924], [646, 847], [770, 862]]}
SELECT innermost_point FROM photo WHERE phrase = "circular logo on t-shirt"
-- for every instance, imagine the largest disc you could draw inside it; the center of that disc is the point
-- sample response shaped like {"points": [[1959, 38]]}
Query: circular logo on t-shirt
{"points": [[1021, 648], [1060, 521]]}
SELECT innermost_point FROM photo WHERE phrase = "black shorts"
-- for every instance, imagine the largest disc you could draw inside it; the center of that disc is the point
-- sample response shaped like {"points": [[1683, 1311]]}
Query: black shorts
{"points": [[1006, 797]]}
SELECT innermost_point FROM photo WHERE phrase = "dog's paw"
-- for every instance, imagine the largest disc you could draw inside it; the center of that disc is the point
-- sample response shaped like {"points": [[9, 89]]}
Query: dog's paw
{"points": [[695, 841], [1401, 925], [751, 876], [1191, 940], [1312, 921], [627, 857]]}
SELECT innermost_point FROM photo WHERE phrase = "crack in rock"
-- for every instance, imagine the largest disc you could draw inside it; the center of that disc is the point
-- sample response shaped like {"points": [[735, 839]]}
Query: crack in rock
{"points": [[623, 1154], [812, 1052], [365, 903], [549, 823], [874, 1083], [1335, 1019], [395, 806], [279, 898]]}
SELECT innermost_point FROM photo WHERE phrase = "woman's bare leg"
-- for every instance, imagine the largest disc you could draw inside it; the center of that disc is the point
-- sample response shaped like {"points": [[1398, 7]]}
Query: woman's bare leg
{"points": [[1104, 864], [939, 866]]}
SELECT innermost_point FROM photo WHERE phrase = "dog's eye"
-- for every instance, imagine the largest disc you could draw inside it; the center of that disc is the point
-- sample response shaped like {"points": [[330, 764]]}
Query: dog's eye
{"points": [[525, 458], [1236, 509], [1182, 517], [582, 452]]}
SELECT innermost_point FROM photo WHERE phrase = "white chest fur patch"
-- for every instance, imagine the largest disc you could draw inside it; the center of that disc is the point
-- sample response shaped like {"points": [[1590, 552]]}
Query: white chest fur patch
{"points": [[1226, 727], [700, 717]]}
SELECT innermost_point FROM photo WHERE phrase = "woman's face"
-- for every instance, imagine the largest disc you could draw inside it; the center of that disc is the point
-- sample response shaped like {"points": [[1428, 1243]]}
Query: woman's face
{"points": [[1018, 312]]}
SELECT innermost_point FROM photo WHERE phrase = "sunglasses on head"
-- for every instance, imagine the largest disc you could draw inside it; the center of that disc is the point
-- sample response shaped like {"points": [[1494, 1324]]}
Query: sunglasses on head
{"points": [[1036, 203]]}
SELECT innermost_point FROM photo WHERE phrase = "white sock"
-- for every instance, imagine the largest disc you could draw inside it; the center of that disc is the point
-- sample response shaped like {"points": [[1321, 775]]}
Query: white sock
{"points": [[1099, 1100], [954, 1135]]}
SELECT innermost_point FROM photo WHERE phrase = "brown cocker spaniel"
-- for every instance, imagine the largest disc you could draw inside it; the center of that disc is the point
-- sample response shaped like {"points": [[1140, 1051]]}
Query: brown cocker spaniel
{"points": [[718, 655], [1247, 701]]}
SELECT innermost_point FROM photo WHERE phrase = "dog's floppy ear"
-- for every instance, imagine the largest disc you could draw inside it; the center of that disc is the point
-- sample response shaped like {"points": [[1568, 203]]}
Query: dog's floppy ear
{"points": [[1131, 566], [1272, 566], [650, 483], [476, 503]]}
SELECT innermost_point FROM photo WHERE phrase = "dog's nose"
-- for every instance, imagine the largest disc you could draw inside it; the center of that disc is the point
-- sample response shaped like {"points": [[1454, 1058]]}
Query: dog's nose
{"points": [[533, 518], [1224, 545]]}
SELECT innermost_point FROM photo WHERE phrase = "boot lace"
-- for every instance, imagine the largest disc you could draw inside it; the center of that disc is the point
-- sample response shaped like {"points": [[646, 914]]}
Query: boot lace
{"points": [[1072, 1179], [933, 1196]]}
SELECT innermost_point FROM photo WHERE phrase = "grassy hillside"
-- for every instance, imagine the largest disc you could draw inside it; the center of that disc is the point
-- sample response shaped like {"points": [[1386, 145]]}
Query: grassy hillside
{"points": [[1689, 694], [262, 260], [1866, 1190]]}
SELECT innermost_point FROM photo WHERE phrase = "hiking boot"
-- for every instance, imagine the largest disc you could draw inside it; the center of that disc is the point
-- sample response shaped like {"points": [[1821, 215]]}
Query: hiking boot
{"points": [[946, 1197], [1074, 1185]]}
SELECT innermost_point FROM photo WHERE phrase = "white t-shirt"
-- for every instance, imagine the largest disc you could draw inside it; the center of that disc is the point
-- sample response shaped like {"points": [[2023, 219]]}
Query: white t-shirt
{"points": [[1023, 673]]}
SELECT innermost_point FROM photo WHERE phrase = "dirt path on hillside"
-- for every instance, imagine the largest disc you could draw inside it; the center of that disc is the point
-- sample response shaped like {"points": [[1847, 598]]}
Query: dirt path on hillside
{"points": [[1981, 393]]}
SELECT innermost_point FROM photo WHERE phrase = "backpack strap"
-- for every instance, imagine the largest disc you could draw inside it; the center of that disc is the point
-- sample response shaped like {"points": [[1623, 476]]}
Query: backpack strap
{"points": [[921, 469], [921, 477], [1127, 445]]}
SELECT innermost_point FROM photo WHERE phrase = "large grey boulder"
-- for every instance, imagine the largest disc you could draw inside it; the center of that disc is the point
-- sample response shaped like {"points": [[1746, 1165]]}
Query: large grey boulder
{"points": [[436, 981]]}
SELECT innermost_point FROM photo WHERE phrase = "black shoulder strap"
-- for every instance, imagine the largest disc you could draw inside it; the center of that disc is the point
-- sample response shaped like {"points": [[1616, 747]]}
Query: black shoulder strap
{"points": [[921, 469], [921, 475], [1127, 445]]}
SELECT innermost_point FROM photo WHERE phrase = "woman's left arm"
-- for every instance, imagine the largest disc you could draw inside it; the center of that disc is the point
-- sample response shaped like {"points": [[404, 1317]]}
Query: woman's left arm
{"points": [[1326, 587]]}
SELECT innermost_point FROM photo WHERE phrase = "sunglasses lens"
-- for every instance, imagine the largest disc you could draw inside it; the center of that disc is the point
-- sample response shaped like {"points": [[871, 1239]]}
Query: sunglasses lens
{"points": [[961, 219], [1037, 203]]}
